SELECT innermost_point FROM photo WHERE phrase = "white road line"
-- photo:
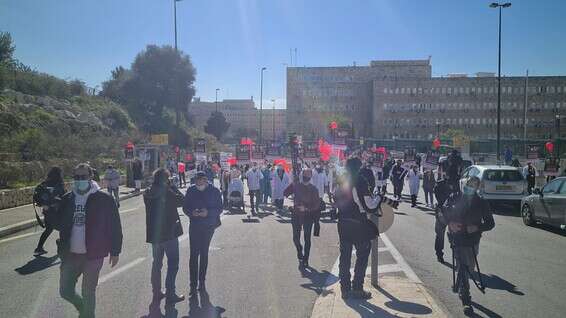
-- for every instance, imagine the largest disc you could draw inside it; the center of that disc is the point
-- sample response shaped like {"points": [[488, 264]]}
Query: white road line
{"points": [[400, 260], [19, 237], [120, 270]]}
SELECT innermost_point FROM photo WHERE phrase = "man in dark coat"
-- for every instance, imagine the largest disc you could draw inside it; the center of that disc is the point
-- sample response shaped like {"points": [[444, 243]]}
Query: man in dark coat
{"points": [[398, 174], [163, 227]]}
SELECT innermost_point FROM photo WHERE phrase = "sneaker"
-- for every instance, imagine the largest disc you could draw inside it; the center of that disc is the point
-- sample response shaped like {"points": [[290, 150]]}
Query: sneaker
{"points": [[360, 294], [173, 299], [305, 263], [39, 251], [468, 310]]}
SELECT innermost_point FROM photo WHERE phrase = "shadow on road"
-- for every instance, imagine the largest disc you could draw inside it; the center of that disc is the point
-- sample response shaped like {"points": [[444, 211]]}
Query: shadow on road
{"points": [[495, 282], [203, 308], [37, 264], [404, 306], [318, 280], [551, 229], [366, 309], [484, 310]]}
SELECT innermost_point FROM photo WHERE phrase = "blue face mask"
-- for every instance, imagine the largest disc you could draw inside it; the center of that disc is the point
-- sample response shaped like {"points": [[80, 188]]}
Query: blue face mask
{"points": [[81, 185], [468, 190]]}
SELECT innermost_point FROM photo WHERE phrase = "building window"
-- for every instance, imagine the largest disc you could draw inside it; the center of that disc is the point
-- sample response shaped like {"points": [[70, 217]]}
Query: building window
{"points": [[414, 90]]}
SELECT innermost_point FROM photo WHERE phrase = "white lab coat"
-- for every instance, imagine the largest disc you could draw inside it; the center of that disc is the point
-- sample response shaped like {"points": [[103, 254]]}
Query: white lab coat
{"points": [[319, 180], [253, 178], [278, 185], [330, 180], [414, 181]]}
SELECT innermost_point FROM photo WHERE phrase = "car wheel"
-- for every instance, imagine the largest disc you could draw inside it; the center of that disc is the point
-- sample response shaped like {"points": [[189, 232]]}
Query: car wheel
{"points": [[527, 214]]}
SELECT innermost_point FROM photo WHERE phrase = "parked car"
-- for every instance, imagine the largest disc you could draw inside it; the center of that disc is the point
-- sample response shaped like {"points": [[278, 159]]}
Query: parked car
{"points": [[499, 184], [546, 205]]}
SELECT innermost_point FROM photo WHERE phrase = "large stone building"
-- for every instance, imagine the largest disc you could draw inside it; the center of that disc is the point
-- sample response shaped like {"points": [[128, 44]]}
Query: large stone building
{"points": [[243, 117], [400, 99]]}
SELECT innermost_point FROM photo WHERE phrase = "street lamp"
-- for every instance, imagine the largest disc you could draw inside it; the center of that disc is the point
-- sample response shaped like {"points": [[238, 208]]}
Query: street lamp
{"points": [[261, 107], [500, 6], [273, 117], [216, 99], [176, 99]]}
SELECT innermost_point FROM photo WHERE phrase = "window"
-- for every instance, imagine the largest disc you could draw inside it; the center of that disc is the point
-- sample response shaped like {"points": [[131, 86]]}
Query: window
{"points": [[444, 90], [503, 175], [552, 187]]}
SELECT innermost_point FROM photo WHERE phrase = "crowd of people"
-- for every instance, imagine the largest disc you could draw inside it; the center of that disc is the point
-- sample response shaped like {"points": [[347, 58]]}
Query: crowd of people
{"points": [[354, 188]]}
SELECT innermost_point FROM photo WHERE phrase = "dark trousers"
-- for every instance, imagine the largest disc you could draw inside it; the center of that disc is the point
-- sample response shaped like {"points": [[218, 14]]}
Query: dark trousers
{"points": [[72, 267], [428, 194], [116, 194], [265, 196], [48, 230], [362, 257], [182, 180], [397, 188], [530, 184], [255, 194], [171, 250], [306, 226], [413, 199], [465, 264], [440, 230], [200, 236]]}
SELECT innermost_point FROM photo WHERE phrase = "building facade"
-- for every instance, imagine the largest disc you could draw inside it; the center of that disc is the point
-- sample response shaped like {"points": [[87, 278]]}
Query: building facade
{"points": [[400, 99], [243, 117]]}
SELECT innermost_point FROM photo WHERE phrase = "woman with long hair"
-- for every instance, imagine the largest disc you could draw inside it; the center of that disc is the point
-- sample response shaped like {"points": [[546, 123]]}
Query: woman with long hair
{"points": [[55, 185]]}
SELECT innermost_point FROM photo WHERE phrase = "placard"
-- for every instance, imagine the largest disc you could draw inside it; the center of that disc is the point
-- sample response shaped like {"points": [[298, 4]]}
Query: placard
{"points": [[533, 151], [274, 150], [160, 139], [243, 153], [379, 160], [410, 154], [311, 151], [224, 157], [200, 145], [215, 157], [396, 155], [258, 152], [340, 136]]}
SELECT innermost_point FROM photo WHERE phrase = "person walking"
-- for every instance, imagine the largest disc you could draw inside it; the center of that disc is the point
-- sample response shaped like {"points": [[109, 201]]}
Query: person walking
{"points": [[306, 211], [182, 177], [280, 182], [414, 178], [265, 183], [163, 227], [530, 174], [54, 188], [89, 230], [203, 206], [137, 171], [428, 187], [398, 174], [254, 176], [112, 179]]}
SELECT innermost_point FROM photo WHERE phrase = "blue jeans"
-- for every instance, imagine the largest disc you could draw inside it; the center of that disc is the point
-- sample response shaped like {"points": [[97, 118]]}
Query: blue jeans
{"points": [[171, 249]]}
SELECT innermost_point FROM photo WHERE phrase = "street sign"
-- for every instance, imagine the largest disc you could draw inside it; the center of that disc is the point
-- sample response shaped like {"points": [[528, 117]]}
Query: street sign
{"points": [[258, 152], [160, 139], [341, 136], [533, 151], [243, 153], [200, 145], [311, 150]]}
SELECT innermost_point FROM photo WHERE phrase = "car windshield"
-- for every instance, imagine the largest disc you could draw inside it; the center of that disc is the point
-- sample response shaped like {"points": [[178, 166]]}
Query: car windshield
{"points": [[503, 175]]}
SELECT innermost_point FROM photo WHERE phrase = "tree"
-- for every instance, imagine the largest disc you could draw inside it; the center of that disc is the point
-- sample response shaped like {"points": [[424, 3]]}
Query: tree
{"points": [[160, 79], [6, 48], [216, 125]]}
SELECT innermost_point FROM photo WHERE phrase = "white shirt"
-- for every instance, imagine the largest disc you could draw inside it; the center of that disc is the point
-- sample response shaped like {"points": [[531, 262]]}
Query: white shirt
{"points": [[253, 179], [319, 180], [78, 232]]}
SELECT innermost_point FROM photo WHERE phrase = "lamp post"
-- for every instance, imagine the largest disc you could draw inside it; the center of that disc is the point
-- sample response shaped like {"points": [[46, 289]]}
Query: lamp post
{"points": [[273, 118], [500, 6], [216, 99], [177, 115], [261, 107]]}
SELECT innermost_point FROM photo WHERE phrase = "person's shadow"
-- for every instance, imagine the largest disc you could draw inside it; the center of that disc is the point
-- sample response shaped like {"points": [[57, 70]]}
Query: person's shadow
{"points": [[155, 311], [404, 306], [203, 308], [318, 280], [38, 263], [493, 281]]}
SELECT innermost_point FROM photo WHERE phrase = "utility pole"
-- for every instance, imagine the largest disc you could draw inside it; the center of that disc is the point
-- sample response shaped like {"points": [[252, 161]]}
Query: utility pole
{"points": [[216, 99], [273, 118], [261, 107], [526, 105], [177, 102]]}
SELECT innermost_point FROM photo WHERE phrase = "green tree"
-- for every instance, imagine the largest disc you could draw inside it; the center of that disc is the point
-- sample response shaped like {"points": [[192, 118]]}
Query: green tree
{"points": [[216, 125], [6, 48]]}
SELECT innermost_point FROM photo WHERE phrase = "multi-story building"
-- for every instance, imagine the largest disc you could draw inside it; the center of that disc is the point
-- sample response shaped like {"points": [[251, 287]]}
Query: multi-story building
{"points": [[243, 117], [401, 99]]}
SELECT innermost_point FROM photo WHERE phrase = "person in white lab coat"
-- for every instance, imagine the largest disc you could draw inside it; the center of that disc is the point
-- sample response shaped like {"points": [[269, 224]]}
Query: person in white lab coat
{"points": [[414, 180], [280, 181], [254, 177], [319, 180]]}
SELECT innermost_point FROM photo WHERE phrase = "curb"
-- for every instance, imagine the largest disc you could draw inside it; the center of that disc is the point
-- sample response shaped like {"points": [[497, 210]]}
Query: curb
{"points": [[20, 226]]}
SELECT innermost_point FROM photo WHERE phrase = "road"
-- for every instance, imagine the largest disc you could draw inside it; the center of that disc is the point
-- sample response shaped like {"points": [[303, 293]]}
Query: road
{"points": [[253, 270]]}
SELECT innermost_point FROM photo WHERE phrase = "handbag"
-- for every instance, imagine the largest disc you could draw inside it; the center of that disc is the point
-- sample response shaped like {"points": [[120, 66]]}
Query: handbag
{"points": [[358, 230]]}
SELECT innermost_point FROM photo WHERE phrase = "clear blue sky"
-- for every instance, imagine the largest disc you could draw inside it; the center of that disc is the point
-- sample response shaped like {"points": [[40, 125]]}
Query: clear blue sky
{"points": [[229, 40]]}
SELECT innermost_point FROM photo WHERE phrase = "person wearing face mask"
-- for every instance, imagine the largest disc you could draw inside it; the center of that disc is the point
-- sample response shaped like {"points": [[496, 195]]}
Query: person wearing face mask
{"points": [[467, 216], [398, 174], [203, 206], [280, 182], [89, 230], [306, 211], [254, 177]]}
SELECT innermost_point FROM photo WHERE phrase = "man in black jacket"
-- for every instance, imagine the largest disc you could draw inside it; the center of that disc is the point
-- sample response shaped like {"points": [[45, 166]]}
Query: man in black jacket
{"points": [[89, 230], [163, 227], [398, 174], [467, 216]]}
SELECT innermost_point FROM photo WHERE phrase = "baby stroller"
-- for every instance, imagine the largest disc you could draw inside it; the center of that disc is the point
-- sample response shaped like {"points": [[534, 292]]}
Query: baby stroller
{"points": [[236, 200]]}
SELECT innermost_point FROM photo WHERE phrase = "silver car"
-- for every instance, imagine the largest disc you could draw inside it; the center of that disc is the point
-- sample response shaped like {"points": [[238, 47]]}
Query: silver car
{"points": [[546, 205]]}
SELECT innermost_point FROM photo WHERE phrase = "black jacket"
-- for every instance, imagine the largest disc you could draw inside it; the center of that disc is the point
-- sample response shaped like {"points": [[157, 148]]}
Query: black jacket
{"points": [[473, 211], [103, 227], [161, 216]]}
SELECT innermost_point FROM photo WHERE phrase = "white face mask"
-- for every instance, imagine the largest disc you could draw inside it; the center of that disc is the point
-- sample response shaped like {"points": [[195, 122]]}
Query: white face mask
{"points": [[201, 187]]}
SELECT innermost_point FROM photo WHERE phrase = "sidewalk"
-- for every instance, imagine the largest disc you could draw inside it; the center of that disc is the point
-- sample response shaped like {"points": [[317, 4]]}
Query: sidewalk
{"points": [[395, 297], [23, 217]]}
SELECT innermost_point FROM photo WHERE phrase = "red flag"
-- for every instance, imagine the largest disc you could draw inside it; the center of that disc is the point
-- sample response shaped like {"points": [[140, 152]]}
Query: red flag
{"points": [[436, 143], [549, 146]]}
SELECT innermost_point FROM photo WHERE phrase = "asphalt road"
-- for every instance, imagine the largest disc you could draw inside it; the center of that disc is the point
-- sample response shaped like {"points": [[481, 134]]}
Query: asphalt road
{"points": [[524, 268], [253, 270]]}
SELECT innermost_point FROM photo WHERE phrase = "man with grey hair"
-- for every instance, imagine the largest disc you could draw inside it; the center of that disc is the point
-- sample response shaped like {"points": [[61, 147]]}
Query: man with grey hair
{"points": [[89, 230]]}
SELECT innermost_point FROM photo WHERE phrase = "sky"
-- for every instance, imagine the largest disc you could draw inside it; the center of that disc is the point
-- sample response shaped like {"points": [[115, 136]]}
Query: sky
{"points": [[230, 40]]}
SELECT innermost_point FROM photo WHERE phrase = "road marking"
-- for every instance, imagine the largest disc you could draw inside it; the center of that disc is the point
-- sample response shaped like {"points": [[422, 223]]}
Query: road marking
{"points": [[19, 237], [120, 270], [400, 260]]}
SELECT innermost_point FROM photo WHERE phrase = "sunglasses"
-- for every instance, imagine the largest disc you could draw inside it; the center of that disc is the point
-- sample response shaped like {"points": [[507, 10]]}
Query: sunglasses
{"points": [[81, 177]]}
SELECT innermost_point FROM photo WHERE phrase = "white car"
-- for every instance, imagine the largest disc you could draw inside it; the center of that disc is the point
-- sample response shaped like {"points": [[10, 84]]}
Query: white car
{"points": [[498, 183]]}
